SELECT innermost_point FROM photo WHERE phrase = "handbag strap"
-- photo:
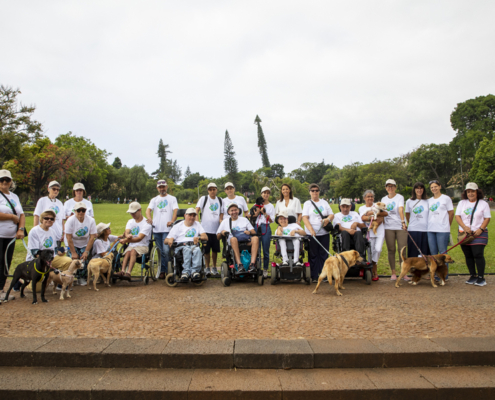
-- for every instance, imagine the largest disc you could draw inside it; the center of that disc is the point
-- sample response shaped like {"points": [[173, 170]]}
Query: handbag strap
{"points": [[317, 209], [11, 205], [472, 214]]}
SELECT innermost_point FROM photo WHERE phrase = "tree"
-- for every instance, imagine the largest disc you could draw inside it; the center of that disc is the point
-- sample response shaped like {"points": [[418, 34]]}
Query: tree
{"points": [[174, 171], [311, 172], [163, 153], [230, 162], [278, 171], [433, 161], [117, 163], [16, 126], [483, 171], [262, 144], [192, 181], [187, 173]]}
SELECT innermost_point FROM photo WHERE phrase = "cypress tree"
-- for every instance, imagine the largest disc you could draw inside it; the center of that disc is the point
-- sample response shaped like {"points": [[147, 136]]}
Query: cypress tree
{"points": [[187, 173], [230, 162], [162, 155], [262, 144]]}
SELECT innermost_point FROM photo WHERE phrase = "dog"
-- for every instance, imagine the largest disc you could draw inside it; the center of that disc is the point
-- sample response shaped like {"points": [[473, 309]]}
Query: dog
{"points": [[33, 271], [65, 278], [337, 268], [258, 205], [376, 209], [100, 265], [418, 267]]}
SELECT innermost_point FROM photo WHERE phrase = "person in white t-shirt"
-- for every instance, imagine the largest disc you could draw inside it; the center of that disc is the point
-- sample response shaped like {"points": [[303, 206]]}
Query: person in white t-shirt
{"points": [[56, 205], [137, 235], [473, 216], [164, 208], [233, 198], [264, 217], [316, 215], [188, 231], [104, 240], [210, 209], [288, 202], [290, 230], [417, 218], [237, 226], [350, 224], [376, 240], [78, 191], [395, 225], [80, 231]]}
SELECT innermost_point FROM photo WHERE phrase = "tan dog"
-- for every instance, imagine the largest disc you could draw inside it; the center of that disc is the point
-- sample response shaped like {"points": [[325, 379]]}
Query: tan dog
{"points": [[65, 278], [376, 208], [336, 267], [100, 265], [418, 267]]}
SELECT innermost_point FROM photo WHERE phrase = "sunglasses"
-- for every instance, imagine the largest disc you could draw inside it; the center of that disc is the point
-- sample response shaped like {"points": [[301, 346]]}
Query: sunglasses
{"points": [[315, 190], [5, 180], [81, 210], [57, 189], [49, 219]]}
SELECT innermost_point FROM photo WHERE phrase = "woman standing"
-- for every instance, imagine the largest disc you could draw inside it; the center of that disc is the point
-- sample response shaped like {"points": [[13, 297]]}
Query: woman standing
{"points": [[264, 217], [417, 218], [316, 215], [473, 216], [440, 216], [12, 222], [78, 191], [395, 225], [288, 202]]}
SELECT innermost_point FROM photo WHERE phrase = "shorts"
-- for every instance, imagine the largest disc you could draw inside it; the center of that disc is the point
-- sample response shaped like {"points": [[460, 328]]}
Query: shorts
{"points": [[213, 244], [139, 249]]}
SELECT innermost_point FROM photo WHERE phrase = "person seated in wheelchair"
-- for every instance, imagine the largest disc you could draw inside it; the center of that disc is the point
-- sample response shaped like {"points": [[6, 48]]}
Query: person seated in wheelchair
{"points": [[239, 229], [350, 225], [104, 240], [137, 235], [185, 232], [292, 230]]}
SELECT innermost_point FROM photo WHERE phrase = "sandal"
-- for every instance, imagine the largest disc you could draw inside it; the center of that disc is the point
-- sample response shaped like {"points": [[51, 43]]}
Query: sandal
{"points": [[375, 278]]}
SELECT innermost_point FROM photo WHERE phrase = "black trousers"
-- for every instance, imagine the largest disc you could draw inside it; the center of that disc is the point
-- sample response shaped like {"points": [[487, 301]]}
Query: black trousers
{"points": [[318, 256], [357, 239], [10, 253], [475, 257], [421, 239]]}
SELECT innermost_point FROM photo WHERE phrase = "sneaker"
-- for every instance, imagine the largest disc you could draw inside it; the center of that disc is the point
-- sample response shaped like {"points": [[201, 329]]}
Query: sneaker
{"points": [[184, 278], [16, 290], [252, 268], [285, 264], [82, 282], [240, 269], [196, 276], [265, 273], [393, 277], [214, 271], [299, 264], [325, 280], [480, 282], [314, 280], [59, 288], [472, 280], [406, 278], [207, 272]]}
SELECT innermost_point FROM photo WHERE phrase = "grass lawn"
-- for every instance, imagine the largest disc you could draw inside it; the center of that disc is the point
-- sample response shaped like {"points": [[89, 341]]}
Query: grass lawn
{"points": [[116, 214]]}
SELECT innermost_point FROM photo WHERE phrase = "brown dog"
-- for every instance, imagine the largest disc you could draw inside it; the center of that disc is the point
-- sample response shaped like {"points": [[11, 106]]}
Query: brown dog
{"points": [[377, 208], [336, 267], [65, 278], [100, 265], [418, 267]]}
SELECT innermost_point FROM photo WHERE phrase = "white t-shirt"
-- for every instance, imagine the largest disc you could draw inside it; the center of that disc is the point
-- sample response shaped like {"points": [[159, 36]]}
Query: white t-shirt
{"points": [[294, 208], [289, 228], [418, 215], [80, 231], [102, 246], [241, 224], [8, 229], [163, 211], [346, 221], [210, 215], [314, 216], [465, 209], [39, 239], [380, 232], [182, 233], [69, 207], [241, 203], [438, 217], [393, 221], [46, 204], [137, 228], [270, 211]]}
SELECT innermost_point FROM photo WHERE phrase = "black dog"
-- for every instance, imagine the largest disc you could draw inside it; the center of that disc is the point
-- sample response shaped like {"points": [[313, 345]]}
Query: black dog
{"points": [[257, 206], [33, 271]]}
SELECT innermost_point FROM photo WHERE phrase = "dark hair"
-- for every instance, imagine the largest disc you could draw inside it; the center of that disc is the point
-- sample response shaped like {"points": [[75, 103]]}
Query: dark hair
{"points": [[419, 185], [282, 195], [479, 193]]}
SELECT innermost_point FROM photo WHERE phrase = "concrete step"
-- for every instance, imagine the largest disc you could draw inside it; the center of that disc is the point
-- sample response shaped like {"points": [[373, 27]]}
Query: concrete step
{"points": [[246, 354], [380, 383]]}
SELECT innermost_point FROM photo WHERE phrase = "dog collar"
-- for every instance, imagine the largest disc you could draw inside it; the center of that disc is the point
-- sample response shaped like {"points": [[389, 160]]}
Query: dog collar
{"points": [[36, 269]]}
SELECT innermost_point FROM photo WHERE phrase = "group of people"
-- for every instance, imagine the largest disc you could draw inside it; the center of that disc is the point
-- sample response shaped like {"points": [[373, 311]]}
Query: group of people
{"points": [[420, 223]]}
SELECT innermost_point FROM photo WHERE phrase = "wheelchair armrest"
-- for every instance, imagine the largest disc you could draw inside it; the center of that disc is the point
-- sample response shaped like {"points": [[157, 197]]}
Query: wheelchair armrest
{"points": [[364, 230], [336, 230], [204, 242]]}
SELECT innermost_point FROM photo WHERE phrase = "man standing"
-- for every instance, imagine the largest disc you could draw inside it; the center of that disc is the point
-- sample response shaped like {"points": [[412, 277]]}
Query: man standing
{"points": [[232, 198], [51, 202], [164, 208], [210, 208]]}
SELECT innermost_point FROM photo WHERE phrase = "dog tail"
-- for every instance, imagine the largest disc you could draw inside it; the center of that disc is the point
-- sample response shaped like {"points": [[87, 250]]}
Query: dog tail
{"points": [[402, 253]]}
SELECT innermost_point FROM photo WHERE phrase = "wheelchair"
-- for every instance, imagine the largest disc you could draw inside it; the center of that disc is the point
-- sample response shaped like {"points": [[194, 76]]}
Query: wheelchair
{"points": [[292, 272], [354, 271], [228, 270], [173, 278]]}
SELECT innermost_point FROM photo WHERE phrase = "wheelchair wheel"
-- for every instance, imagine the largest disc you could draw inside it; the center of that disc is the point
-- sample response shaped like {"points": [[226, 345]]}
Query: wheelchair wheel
{"points": [[307, 278], [261, 279], [273, 279], [155, 262], [367, 276], [146, 279], [200, 283], [170, 280]]}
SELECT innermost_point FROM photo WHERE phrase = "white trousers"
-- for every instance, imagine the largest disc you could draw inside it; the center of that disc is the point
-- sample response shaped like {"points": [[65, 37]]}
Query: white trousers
{"points": [[283, 250], [376, 247]]}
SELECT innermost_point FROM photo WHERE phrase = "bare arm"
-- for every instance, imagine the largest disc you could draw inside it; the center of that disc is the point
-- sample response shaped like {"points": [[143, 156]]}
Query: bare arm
{"points": [[36, 220], [451, 216], [149, 219], [308, 225], [299, 218], [75, 256], [407, 216], [197, 213]]}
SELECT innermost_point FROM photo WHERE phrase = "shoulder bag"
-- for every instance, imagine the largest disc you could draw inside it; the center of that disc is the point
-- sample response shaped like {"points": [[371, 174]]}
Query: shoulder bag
{"points": [[328, 227], [462, 235]]}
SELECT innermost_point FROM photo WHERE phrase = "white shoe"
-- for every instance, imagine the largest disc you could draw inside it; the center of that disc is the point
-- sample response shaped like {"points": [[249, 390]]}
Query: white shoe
{"points": [[82, 282], [214, 271], [299, 264], [265, 273]]}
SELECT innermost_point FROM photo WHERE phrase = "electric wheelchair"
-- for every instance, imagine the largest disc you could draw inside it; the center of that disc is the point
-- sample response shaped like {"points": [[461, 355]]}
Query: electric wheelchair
{"points": [[292, 272]]}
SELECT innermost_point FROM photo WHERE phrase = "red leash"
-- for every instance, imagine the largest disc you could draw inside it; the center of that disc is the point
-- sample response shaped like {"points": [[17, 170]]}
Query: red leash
{"points": [[469, 235]]}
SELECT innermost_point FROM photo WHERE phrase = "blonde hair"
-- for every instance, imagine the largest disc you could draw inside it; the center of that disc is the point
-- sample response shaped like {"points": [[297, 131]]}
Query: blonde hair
{"points": [[46, 213]]}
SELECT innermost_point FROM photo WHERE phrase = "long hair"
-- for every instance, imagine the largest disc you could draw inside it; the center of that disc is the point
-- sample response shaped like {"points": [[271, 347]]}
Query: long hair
{"points": [[479, 194], [290, 192], [419, 185]]}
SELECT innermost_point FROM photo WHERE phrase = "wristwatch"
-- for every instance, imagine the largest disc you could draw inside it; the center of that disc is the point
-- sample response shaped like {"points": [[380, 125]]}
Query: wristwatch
{"points": [[22, 229]]}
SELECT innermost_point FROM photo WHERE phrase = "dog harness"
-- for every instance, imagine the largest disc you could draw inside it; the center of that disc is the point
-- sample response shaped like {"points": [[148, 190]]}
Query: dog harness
{"points": [[345, 261]]}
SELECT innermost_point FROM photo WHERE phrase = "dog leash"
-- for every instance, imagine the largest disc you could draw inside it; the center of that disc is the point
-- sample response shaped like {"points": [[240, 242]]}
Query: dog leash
{"points": [[417, 247], [7, 266], [317, 241], [469, 235]]}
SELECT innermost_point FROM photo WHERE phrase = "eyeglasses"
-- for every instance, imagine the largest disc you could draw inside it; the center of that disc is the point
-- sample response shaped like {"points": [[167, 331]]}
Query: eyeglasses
{"points": [[315, 190], [55, 188], [81, 210], [49, 219], [435, 181], [2, 180]]}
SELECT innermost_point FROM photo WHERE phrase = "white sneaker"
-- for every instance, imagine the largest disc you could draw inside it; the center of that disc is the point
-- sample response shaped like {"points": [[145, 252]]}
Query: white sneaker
{"points": [[214, 271], [265, 273], [207, 272], [196, 275], [59, 288], [82, 282], [299, 264]]}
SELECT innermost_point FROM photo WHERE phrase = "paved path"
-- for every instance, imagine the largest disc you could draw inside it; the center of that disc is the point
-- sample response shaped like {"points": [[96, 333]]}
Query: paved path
{"points": [[246, 310]]}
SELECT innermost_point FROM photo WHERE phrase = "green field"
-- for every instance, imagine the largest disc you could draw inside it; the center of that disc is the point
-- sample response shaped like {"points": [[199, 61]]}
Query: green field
{"points": [[116, 214]]}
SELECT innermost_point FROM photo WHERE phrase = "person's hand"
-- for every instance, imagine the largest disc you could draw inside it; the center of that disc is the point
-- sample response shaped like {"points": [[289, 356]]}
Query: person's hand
{"points": [[84, 256], [75, 256], [404, 226], [223, 233], [351, 232], [20, 235], [369, 213], [312, 231], [123, 241], [170, 223], [353, 226], [247, 232], [293, 233], [196, 240], [15, 219], [59, 253], [478, 232], [325, 221], [149, 221], [467, 230]]}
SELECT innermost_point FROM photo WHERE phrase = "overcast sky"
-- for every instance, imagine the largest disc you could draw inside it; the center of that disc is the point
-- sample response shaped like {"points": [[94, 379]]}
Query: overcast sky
{"points": [[340, 81]]}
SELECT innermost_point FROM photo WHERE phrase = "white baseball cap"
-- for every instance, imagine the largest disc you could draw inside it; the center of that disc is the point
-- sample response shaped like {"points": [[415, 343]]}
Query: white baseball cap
{"points": [[101, 227], [79, 186], [265, 188], [133, 207], [345, 202], [53, 183], [78, 205], [472, 186], [390, 182], [283, 213], [190, 210], [232, 205], [4, 173], [161, 182], [228, 184], [212, 184]]}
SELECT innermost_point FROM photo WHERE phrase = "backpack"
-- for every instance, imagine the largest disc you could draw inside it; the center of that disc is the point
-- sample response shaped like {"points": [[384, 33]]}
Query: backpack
{"points": [[204, 204]]}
